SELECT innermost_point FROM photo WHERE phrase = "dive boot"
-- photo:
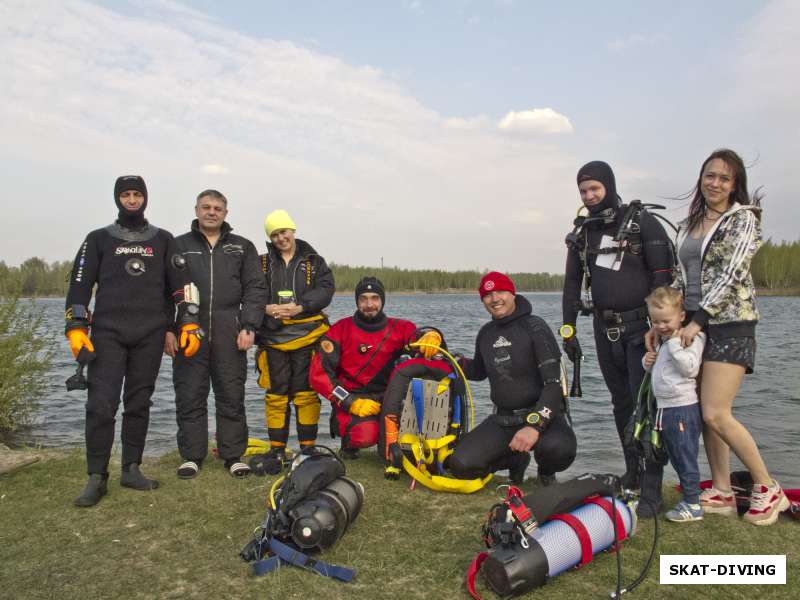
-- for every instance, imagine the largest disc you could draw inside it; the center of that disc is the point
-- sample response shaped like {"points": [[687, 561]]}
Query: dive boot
{"points": [[270, 463], [349, 453], [394, 464], [132, 478], [546, 479], [518, 466], [96, 487]]}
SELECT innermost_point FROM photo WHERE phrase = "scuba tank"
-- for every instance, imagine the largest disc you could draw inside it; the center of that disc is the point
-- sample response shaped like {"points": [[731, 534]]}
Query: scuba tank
{"points": [[309, 510], [533, 538]]}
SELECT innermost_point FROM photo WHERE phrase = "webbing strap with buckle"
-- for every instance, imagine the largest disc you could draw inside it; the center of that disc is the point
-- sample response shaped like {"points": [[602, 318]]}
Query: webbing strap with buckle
{"points": [[283, 554]]}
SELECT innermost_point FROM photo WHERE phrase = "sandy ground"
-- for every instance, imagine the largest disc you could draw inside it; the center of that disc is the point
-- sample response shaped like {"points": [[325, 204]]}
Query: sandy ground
{"points": [[11, 460]]}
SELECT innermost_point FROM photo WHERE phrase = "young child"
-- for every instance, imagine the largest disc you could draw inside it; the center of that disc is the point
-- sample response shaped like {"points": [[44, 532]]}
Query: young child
{"points": [[674, 369]]}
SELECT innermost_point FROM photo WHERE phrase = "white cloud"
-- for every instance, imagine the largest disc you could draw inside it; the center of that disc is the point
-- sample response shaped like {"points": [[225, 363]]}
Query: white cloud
{"points": [[635, 40], [357, 160], [535, 121]]}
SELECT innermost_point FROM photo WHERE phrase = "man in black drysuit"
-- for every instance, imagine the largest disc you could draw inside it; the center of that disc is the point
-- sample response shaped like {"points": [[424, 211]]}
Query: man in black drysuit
{"points": [[519, 354], [130, 262], [619, 279], [226, 269]]}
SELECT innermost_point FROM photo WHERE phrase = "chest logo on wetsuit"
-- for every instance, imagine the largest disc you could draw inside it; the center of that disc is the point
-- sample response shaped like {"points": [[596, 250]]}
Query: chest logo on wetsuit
{"points": [[364, 348], [501, 342], [233, 249], [143, 251]]}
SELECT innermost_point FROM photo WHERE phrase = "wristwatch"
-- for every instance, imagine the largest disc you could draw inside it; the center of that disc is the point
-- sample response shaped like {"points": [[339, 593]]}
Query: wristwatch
{"points": [[533, 418], [566, 331]]}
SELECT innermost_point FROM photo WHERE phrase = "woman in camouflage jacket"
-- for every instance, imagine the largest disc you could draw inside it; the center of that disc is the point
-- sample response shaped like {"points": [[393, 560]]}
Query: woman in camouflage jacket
{"points": [[716, 244]]}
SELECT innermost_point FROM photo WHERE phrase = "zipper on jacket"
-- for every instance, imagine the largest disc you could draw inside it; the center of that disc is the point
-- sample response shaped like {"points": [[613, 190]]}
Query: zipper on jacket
{"points": [[210, 290]]}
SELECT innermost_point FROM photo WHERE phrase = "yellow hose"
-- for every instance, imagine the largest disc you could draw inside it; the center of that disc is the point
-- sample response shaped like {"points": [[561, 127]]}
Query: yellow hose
{"points": [[272, 492], [460, 372]]}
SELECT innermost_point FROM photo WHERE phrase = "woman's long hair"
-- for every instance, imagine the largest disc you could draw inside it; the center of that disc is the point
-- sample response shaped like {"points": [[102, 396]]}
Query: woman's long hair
{"points": [[697, 208]]}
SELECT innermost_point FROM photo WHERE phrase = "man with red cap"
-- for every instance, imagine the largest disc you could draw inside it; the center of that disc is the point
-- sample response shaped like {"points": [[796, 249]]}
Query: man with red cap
{"points": [[518, 353]]}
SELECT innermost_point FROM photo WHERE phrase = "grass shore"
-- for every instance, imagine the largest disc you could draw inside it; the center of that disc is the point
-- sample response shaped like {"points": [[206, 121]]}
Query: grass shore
{"points": [[183, 540]]}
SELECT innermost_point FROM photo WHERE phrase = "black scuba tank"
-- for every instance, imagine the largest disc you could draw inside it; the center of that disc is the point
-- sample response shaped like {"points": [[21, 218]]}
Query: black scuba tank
{"points": [[319, 520]]}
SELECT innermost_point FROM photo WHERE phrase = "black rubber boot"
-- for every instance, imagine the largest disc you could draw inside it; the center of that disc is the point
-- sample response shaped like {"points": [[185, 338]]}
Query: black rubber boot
{"points": [[651, 502], [132, 478], [519, 464], [349, 453], [546, 479], [96, 487]]}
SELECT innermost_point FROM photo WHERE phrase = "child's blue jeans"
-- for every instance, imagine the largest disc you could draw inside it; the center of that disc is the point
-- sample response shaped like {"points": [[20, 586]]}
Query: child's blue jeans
{"points": [[681, 427]]}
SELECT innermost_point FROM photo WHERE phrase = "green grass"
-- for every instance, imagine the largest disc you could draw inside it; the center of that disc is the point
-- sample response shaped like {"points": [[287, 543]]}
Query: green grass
{"points": [[183, 540]]}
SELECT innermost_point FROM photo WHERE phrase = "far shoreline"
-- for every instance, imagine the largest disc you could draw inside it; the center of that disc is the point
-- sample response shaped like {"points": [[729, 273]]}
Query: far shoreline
{"points": [[772, 292]]}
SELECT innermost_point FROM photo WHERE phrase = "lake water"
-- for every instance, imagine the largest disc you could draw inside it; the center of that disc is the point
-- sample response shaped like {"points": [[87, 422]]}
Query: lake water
{"points": [[768, 403]]}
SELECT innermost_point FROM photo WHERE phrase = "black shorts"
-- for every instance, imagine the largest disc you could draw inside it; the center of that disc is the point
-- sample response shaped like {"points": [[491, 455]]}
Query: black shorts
{"points": [[727, 344]]}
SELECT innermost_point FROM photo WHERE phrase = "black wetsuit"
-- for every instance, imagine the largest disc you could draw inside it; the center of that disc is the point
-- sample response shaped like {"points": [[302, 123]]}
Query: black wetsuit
{"points": [[521, 358], [133, 306], [621, 320], [232, 298]]}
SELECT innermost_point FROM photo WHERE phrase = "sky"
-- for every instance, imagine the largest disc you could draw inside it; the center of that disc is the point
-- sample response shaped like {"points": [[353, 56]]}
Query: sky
{"points": [[422, 134]]}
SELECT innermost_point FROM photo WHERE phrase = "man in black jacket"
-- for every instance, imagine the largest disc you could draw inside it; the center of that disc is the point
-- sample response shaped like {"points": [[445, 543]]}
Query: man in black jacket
{"points": [[518, 353], [616, 255], [226, 269], [129, 264]]}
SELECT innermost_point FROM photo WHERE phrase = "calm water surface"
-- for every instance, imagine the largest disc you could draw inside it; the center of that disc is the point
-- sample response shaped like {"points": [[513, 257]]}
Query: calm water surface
{"points": [[768, 403]]}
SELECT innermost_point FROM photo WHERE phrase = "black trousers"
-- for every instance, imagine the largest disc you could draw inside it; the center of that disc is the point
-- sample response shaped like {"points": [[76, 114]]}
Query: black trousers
{"points": [[221, 365], [621, 366], [127, 359], [485, 449]]}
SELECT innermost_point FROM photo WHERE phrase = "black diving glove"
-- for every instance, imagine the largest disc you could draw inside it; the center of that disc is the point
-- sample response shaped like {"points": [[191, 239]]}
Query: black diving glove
{"points": [[572, 348]]}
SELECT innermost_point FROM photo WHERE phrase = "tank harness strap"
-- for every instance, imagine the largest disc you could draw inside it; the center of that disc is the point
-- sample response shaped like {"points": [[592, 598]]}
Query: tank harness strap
{"points": [[473, 571], [583, 535], [606, 506], [283, 554]]}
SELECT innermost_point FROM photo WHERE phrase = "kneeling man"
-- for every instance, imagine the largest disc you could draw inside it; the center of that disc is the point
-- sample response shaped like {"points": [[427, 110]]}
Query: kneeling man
{"points": [[518, 353]]}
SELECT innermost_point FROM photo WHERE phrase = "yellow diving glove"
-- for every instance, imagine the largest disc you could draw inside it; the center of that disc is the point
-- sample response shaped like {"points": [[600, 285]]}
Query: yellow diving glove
{"points": [[78, 338], [365, 407], [429, 344], [191, 334]]}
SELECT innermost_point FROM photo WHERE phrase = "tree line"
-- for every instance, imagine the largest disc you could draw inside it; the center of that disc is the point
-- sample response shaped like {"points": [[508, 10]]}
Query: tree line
{"points": [[776, 266]]}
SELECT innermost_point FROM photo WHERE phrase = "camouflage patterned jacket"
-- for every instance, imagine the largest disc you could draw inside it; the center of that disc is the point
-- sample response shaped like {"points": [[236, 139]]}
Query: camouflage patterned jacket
{"points": [[726, 286]]}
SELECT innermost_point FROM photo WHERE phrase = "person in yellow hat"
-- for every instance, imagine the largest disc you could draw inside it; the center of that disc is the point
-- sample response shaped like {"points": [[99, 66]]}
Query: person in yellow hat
{"points": [[300, 286]]}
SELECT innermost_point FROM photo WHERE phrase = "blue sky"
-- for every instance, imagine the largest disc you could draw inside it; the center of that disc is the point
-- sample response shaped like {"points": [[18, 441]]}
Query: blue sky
{"points": [[434, 134]]}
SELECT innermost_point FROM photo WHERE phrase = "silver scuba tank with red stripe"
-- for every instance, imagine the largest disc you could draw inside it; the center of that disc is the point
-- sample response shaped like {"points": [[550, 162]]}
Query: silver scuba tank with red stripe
{"points": [[573, 522]]}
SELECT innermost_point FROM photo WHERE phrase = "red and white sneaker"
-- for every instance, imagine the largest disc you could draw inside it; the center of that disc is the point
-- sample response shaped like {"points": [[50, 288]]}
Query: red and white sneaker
{"points": [[717, 502], [766, 503]]}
